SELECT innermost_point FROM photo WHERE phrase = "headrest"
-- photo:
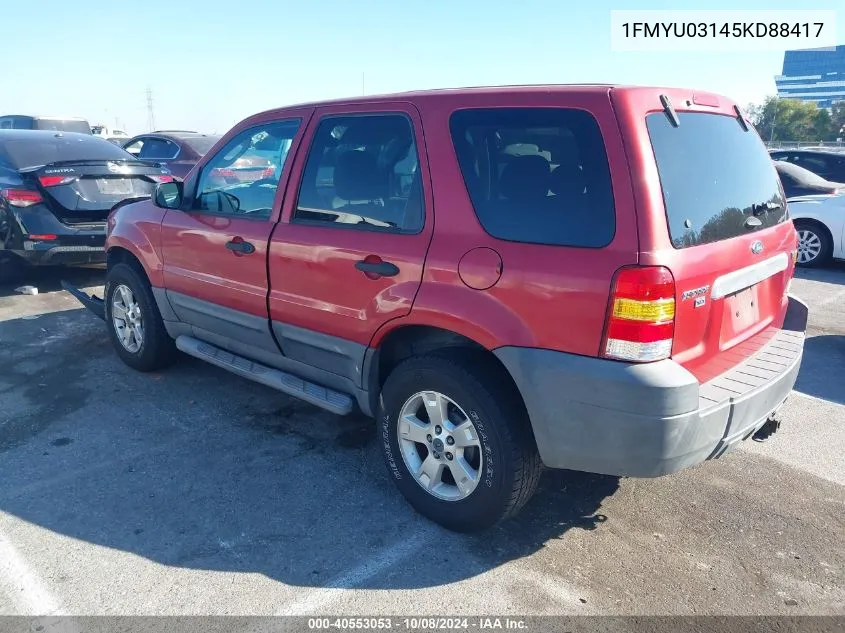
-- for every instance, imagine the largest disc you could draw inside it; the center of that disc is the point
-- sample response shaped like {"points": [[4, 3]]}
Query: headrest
{"points": [[525, 178], [356, 177], [567, 180]]}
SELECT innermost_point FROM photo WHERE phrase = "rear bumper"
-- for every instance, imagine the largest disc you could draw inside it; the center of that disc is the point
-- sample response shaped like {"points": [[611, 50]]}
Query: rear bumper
{"points": [[73, 244], [59, 253], [652, 419]]}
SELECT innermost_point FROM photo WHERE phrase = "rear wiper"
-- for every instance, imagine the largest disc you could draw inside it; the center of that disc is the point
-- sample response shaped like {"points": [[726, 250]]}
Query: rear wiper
{"points": [[765, 207]]}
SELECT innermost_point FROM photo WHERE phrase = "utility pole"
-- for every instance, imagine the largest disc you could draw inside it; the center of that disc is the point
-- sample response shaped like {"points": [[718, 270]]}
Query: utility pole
{"points": [[151, 119]]}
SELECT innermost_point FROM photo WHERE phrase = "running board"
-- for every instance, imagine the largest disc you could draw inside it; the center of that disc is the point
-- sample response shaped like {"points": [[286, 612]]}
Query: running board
{"points": [[328, 399]]}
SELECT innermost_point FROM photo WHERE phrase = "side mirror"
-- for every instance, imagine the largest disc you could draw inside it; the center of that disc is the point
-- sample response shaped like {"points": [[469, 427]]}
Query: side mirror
{"points": [[168, 195]]}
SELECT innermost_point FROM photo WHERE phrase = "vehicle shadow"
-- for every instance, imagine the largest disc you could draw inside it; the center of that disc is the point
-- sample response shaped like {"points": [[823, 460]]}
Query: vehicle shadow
{"points": [[197, 469], [49, 278], [824, 356], [833, 273]]}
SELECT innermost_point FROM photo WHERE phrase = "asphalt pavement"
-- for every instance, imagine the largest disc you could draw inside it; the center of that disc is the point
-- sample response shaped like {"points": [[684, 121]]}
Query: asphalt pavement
{"points": [[192, 491]]}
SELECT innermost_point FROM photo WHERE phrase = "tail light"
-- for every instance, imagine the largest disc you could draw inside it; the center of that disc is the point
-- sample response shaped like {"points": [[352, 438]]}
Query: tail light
{"points": [[641, 319], [21, 197], [162, 178], [54, 181]]}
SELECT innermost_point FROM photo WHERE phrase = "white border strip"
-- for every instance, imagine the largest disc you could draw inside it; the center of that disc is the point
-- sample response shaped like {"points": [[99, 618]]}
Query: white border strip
{"points": [[746, 277]]}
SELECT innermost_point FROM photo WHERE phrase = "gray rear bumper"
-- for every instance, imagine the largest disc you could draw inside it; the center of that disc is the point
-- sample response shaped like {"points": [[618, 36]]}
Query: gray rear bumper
{"points": [[647, 420]]}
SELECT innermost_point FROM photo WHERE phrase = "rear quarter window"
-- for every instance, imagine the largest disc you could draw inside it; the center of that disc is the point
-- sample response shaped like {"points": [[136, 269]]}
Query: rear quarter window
{"points": [[714, 176], [536, 175]]}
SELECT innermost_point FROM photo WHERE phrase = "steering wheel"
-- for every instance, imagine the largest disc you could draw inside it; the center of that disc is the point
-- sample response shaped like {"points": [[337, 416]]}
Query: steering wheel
{"points": [[264, 181]]}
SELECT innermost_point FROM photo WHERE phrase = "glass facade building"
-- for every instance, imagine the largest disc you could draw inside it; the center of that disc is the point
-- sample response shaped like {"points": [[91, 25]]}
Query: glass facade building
{"points": [[813, 75]]}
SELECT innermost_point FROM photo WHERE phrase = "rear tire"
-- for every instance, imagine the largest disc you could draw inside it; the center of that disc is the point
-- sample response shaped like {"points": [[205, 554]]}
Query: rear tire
{"points": [[814, 245], [504, 457], [129, 301]]}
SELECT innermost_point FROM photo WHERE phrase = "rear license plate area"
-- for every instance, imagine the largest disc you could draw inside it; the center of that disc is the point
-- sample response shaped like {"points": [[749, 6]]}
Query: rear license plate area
{"points": [[114, 186], [741, 313]]}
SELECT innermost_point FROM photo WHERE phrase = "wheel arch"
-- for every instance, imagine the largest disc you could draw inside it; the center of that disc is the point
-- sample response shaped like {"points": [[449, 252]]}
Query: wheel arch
{"points": [[410, 340]]}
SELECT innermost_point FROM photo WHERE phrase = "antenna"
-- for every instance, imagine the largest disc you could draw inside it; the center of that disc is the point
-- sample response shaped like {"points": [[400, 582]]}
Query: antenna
{"points": [[362, 85], [151, 119]]}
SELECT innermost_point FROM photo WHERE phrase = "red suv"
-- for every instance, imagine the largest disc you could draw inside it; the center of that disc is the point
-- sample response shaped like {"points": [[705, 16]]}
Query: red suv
{"points": [[584, 277]]}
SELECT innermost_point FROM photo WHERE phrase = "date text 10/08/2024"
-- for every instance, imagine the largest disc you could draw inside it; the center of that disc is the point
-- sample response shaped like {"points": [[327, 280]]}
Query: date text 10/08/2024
{"points": [[417, 624]]}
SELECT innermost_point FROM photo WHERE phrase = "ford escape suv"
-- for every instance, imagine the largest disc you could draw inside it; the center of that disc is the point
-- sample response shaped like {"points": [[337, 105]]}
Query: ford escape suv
{"points": [[584, 277]]}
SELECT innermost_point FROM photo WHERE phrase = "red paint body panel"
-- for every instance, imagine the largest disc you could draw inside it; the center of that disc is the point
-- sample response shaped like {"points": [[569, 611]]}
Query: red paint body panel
{"points": [[313, 280], [197, 262], [560, 293], [193, 244], [699, 344], [136, 228]]}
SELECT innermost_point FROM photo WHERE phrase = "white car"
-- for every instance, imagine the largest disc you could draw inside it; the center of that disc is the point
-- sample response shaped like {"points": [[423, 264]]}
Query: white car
{"points": [[817, 208]]}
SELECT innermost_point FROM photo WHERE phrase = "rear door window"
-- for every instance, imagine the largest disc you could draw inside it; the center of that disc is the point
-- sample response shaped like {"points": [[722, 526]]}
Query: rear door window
{"points": [[158, 149], [536, 175], [714, 176]]}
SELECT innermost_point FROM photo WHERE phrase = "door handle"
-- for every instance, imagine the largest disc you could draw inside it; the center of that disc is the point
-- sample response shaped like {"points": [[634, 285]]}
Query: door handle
{"points": [[377, 268], [239, 247]]}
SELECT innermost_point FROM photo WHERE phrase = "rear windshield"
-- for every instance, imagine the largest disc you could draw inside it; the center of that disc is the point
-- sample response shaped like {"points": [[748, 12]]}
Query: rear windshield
{"points": [[201, 144], [714, 176], [537, 175], [50, 149]]}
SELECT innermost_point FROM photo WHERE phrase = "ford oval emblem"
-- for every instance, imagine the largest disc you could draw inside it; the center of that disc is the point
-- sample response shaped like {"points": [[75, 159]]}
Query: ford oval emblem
{"points": [[757, 247]]}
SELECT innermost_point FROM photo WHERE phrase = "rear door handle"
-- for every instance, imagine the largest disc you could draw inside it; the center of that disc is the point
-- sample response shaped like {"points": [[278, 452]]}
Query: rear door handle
{"points": [[382, 269], [240, 247]]}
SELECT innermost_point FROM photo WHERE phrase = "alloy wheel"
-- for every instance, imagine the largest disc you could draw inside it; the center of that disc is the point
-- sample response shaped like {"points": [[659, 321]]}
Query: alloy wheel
{"points": [[440, 446], [127, 319], [809, 246]]}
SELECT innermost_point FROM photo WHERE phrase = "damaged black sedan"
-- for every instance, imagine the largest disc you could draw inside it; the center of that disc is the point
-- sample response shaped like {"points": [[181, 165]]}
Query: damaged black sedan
{"points": [[56, 192]]}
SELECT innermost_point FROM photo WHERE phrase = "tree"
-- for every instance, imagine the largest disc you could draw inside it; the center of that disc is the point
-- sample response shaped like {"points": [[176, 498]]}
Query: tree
{"points": [[837, 117], [792, 120]]}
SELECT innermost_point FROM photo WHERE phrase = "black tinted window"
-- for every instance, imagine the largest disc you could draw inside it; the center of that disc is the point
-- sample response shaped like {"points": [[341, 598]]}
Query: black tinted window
{"points": [[158, 148], [536, 175], [714, 176], [42, 150], [201, 144], [363, 171]]}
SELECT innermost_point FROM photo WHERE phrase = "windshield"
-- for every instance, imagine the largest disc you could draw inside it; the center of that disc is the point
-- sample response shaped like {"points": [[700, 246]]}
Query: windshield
{"points": [[43, 151], [201, 144], [714, 176]]}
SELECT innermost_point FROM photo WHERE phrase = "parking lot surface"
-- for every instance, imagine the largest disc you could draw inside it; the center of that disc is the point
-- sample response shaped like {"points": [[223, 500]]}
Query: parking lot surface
{"points": [[192, 491]]}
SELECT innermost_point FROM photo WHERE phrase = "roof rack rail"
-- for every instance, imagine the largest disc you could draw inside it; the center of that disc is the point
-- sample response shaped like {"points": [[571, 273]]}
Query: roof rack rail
{"points": [[188, 131]]}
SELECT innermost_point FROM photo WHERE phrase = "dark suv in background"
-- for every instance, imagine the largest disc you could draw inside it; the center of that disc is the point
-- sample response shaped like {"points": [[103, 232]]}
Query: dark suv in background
{"points": [[179, 150], [57, 124]]}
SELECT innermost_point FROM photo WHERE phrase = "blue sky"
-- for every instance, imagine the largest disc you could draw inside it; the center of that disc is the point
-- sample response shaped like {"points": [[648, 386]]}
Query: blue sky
{"points": [[211, 63]]}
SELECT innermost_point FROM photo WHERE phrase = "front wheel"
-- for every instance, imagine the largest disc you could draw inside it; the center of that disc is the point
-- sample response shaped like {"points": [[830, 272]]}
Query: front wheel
{"points": [[814, 245], [456, 441], [134, 322]]}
